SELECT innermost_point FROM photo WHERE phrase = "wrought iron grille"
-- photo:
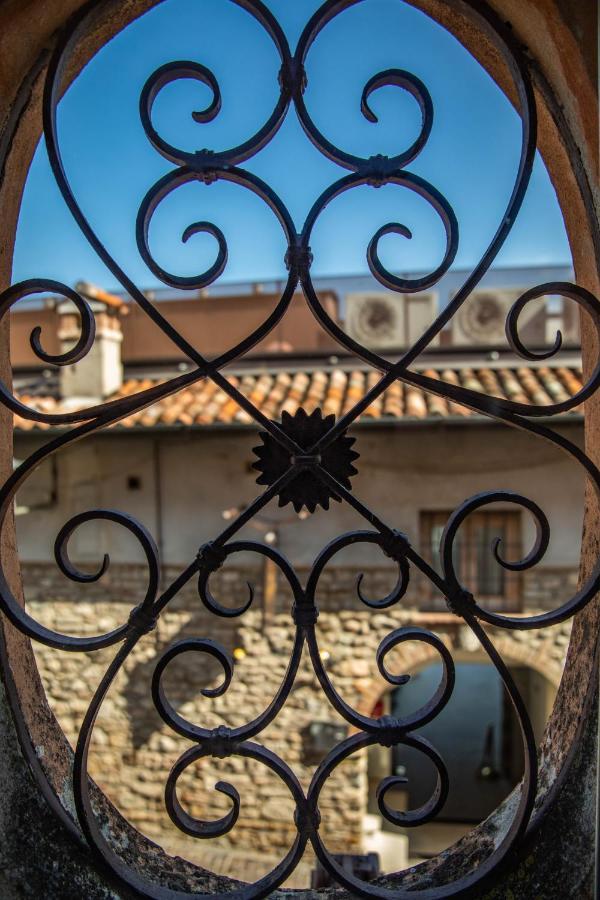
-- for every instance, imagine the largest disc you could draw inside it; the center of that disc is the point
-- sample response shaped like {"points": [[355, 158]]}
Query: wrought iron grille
{"points": [[305, 460]]}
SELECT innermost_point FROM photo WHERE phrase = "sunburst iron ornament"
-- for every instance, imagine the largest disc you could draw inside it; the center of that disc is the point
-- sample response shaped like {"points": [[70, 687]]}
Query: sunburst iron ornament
{"points": [[306, 489]]}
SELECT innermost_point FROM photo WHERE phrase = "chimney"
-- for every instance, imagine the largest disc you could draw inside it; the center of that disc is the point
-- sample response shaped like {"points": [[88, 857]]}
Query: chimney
{"points": [[100, 373]]}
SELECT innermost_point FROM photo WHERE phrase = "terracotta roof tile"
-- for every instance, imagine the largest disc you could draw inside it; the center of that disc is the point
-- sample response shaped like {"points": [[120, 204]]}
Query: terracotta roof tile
{"points": [[553, 385], [436, 406], [356, 389], [512, 387], [393, 401], [415, 403], [535, 391], [469, 380], [335, 391], [317, 390], [295, 397], [570, 379], [374, 409], [454, 409], [489, 381]]}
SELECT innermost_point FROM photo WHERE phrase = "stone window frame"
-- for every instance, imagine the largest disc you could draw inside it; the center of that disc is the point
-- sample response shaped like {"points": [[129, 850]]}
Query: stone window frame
{"points": [[558, 35]]}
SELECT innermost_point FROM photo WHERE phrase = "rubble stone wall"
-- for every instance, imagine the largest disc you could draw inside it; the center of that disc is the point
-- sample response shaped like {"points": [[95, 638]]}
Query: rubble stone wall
{"points": [[134, 749]]}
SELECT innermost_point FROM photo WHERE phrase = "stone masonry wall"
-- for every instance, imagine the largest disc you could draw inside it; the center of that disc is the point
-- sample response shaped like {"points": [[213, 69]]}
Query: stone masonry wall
{"points": [[134, 749]]}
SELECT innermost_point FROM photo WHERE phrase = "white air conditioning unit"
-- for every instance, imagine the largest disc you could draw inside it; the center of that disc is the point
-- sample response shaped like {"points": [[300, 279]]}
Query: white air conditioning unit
{"points": [[481, 320], [385, 320]]}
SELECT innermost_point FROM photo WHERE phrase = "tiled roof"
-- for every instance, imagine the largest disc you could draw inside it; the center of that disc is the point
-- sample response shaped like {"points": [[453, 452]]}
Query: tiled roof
{"points": [[335, 390]]}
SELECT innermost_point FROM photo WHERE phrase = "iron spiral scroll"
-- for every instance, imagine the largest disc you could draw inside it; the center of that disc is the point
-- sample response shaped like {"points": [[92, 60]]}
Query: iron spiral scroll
{"points": [[323, 462]]}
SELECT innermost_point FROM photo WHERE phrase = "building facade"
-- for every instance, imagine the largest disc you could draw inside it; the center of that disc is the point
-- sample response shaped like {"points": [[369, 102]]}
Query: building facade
{"points": [[420, 457]]}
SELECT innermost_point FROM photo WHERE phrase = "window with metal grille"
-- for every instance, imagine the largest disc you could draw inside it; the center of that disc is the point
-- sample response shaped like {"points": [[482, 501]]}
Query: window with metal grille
{"points": [[473, 554]]}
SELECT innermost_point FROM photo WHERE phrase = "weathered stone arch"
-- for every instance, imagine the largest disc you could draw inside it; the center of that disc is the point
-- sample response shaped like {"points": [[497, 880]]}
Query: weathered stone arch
{"points": [[514, 651], [411, 662], [520, 653]]}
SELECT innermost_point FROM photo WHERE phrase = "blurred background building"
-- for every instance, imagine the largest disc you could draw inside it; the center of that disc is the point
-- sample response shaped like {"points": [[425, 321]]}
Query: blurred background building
{"points": [[427, 454]]}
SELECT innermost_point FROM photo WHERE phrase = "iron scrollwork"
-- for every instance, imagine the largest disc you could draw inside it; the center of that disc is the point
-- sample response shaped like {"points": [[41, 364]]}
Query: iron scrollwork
{"points": [[306, 461]]}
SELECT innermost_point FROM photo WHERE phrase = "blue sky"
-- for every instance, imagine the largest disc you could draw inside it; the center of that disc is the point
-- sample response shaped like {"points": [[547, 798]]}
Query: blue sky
{"points": [[471, 156]]}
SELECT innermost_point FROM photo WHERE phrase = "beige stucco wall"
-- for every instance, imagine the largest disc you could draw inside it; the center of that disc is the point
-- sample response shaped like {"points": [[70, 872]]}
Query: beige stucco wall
{"points": [[402, 472]]}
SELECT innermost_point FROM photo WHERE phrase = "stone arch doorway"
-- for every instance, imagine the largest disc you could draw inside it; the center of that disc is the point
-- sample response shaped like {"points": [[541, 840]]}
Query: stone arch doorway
{"points": [[545, 657], [484, 768]]}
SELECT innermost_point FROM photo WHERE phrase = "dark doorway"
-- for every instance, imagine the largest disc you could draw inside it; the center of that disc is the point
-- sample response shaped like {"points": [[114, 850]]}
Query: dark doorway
{"points": [[477, 735]]}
